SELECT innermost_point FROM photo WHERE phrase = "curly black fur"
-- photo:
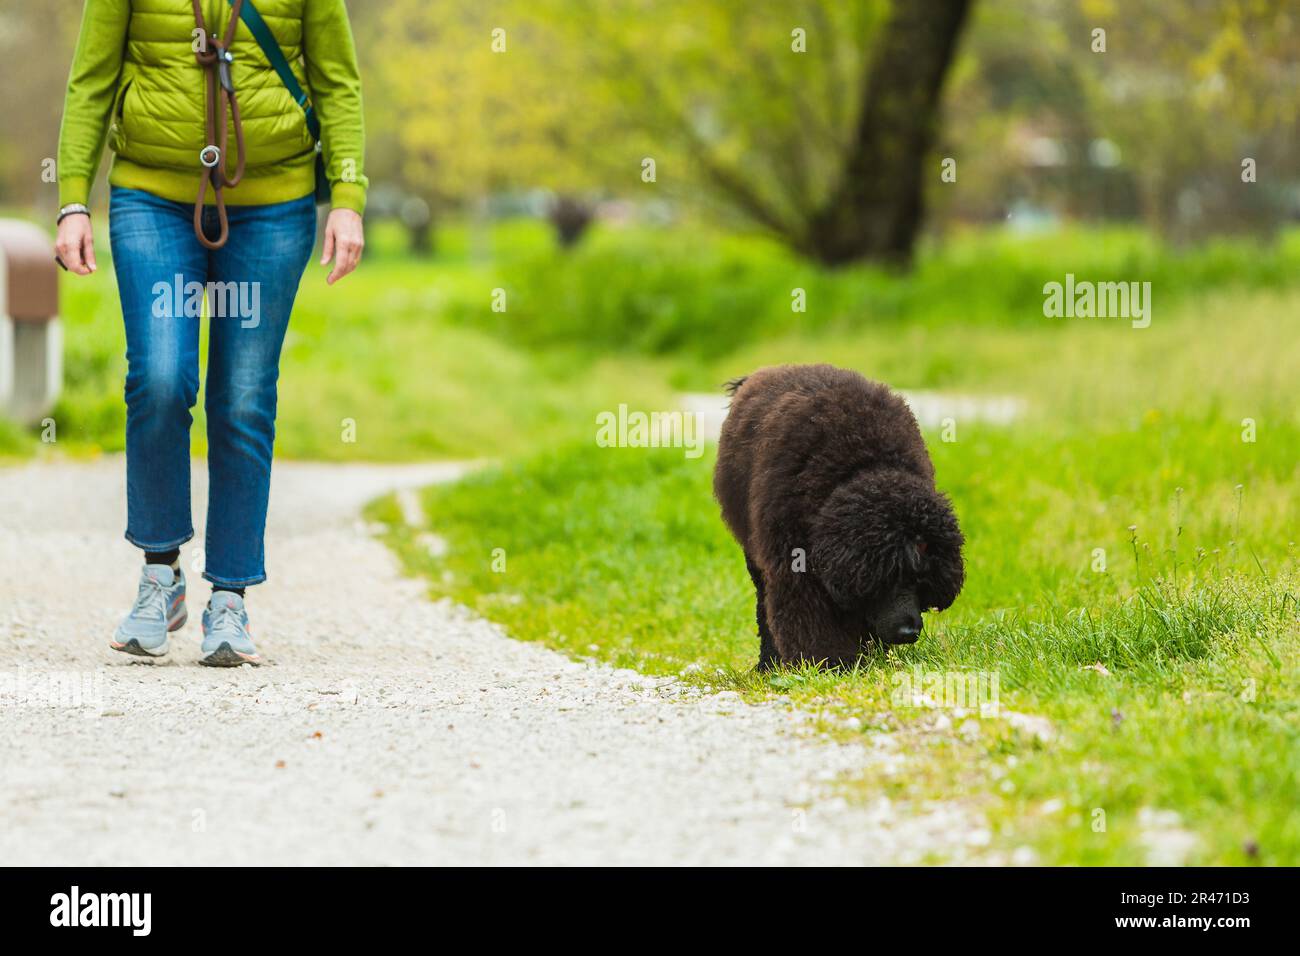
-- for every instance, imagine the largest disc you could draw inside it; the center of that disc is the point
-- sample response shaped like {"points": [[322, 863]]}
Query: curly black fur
{"points": [[825, 481]]}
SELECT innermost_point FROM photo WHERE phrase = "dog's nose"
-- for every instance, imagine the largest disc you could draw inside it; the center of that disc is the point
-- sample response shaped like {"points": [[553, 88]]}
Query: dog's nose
{"points": [[909, 631]]}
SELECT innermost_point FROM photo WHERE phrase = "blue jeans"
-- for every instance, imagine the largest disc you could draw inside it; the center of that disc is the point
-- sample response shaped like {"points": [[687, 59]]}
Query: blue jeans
{"points": [[163, 276]]}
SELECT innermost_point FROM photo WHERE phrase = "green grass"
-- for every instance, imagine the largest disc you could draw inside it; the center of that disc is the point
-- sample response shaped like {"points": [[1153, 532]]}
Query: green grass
{"points": [[377, 349], [619, 555], [695, 295], [413, 351]]}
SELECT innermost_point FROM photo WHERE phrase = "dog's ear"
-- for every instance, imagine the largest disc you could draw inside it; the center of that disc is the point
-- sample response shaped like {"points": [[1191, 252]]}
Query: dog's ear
{"points": [[838, 560], [866, 534], [942, 570]]}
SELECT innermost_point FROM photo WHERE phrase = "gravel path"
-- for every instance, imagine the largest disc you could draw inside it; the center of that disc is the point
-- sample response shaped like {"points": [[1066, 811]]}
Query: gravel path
{"points": [[386, 729]]}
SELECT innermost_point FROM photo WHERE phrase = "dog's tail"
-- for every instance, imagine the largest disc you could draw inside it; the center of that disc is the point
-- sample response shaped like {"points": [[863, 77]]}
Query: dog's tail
{"points": [[733, 386]]}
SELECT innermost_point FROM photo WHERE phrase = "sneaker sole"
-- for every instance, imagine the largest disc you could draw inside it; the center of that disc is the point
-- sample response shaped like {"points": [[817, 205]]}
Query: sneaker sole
{"points": [[133, 647], [226, 656]]}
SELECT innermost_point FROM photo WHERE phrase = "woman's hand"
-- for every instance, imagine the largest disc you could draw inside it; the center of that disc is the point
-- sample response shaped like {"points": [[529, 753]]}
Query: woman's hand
{"points": [[76, 244], [344, 240]]}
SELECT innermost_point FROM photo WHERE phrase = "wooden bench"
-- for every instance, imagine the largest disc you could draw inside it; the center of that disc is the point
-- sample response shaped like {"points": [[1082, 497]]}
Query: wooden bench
{"points": [[31, 335]]}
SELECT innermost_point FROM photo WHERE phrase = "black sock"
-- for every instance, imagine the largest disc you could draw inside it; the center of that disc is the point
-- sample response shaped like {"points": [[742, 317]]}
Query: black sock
{"points": [[172, 558], [222, 587]]}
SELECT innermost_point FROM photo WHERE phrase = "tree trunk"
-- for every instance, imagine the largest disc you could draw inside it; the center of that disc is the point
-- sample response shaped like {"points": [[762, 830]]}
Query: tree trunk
{"points": [[875, 211], [416, 214], [570, 217]]}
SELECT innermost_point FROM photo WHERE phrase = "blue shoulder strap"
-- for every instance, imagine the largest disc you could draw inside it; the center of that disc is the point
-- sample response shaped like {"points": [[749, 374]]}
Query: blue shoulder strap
{"points": [[266, 40]]}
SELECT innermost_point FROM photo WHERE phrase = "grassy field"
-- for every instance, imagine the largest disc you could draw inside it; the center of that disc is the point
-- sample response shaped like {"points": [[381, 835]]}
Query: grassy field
{"points": [[413, 351], [1132, 576], [377, 348]]}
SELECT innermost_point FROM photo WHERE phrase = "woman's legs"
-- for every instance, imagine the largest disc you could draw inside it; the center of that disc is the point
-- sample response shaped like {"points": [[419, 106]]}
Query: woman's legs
{"points": [[161, 269], [257, 274], [164, 277], [162, 272]]}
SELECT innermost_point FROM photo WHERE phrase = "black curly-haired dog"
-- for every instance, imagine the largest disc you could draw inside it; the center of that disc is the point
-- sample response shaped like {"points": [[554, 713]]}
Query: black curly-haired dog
{"points": [[825, 481]]}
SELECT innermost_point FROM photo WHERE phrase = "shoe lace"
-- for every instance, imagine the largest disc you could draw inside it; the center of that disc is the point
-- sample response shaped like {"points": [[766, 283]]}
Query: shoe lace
{"points": [[225, 617], [152, 598]]}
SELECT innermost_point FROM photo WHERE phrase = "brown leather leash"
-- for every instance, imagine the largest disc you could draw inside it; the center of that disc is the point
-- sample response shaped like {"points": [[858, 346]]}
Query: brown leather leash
{"points": [[216, 59]]}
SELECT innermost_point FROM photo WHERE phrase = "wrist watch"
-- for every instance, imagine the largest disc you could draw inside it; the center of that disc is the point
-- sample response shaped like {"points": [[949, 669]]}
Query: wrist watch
{"points": [[72, 209]]}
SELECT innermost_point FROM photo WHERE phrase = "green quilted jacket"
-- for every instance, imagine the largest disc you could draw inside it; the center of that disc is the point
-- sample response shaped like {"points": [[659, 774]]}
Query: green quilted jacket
{"points": [[135, 82]]}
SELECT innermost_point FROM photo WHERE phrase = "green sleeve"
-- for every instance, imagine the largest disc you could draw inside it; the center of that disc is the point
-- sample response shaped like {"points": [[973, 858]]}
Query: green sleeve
{"points": [[335, 82], [92, 86]]}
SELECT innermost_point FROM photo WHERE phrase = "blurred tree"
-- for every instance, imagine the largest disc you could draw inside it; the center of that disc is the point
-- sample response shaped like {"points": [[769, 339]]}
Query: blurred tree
{"points": [[875, 208], [1190, 93], [36, 41], [1154, 118], [1019, 123], [811, 119], [470, 102]]}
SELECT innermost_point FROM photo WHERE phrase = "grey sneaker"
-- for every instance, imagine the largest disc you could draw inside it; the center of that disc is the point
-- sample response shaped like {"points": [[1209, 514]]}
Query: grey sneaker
{"points": [[159, 609], [227, 641]]}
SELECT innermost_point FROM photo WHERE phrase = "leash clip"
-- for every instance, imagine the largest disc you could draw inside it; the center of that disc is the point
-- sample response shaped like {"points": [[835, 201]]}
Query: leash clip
{"points": [[224, 61], [214, 151]]}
